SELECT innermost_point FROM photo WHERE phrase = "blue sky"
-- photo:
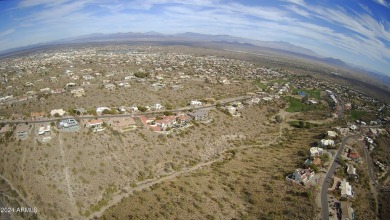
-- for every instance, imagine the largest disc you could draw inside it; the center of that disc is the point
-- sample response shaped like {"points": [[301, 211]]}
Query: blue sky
{"points": [[355, 31]]}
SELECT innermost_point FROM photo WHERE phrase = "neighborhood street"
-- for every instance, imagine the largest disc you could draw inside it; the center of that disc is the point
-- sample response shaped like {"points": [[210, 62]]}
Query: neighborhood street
{"points": [[189, 108], [328, 178]]}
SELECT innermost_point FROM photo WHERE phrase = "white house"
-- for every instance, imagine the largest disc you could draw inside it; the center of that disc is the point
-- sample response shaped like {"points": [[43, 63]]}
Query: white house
{"points": [[326, 143], [101, 109], [316, 151], [346, 189], [157, 106], [195, 102], [94, 123], [43, 129], [369, 140], [134, 108], [331, 134]]}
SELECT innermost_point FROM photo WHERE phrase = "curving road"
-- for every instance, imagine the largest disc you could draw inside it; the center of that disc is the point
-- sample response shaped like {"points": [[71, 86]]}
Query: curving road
{"points": [[328, 177]]}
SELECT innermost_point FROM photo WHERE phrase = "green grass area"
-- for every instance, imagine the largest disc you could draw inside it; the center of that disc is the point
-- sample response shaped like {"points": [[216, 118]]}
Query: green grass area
{"points": [[260, 85], [313, 93], [302, 124], [295, 105], [279, 81], [355, 114]]}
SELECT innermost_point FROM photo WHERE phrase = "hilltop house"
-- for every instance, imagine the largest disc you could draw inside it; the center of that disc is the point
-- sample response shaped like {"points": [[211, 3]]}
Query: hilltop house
{"points": [[166, 122], [316, 151], [303, 175], [195, 103], [99, 110], [94, 123], [346, 189], [326, 143], [78, 92], [331, 134], [351, 171], [44, 128]]}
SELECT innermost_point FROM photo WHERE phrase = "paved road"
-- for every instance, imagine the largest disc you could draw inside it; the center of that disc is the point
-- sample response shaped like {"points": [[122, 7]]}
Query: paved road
{"points": [[370, 168], [189, 108], [328, 178]]}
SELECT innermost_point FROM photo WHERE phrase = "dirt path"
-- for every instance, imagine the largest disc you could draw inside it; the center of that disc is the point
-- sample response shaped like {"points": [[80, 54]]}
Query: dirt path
{"points": [[14, 189], [146, 184], [72, 201]]}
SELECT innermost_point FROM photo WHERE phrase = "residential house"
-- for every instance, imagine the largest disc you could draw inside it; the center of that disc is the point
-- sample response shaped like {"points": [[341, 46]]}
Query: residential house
{"points": [[303, 175], [58, 91], [21, 131], [347, 212], [60, 112], [67, 123], [94, 123], [231, 110], [237, 104], [44, 128], [134, 108], [77, 92], [326, 143], [312, 102], [195, 103], [183, 119], [166, 122], [351, 170], [99, 110], [331, 134], [88, 77], [45, 90], [353, 155], [316, 151], [199, 115], [157, 106], [122, 109], [346, 189], [110, 86]]}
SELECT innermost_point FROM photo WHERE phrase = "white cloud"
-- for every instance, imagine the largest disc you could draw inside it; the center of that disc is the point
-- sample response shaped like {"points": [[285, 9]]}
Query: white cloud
{"points": [[383, 2], [6, 32]]}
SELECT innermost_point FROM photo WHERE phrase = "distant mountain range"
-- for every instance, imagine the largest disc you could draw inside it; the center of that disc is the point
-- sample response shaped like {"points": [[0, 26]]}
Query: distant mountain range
{"points": [[276, 46]]}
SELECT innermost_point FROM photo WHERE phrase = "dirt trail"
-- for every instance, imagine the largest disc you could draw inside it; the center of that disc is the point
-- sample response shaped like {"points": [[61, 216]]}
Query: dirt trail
{"points": [[146, 184], [72, 201], [14, 189]]}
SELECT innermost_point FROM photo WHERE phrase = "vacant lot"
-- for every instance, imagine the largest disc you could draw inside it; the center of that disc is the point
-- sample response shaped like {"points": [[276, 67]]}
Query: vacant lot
{"points": [[249, 184]]}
